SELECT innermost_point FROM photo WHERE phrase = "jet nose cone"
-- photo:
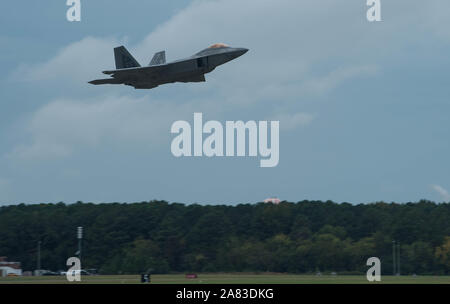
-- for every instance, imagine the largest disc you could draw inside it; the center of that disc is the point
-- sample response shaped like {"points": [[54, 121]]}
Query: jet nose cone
{"points": [[242, 51], [237, 52]]}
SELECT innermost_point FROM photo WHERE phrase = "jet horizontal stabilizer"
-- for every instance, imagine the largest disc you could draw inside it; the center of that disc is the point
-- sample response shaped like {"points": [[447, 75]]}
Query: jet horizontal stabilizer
{"points": [[105, 81]]}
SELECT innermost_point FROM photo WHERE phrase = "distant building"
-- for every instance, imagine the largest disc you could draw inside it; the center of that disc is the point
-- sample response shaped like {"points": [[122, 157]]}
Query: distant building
{"points": [[9, 268], [272, 200]]}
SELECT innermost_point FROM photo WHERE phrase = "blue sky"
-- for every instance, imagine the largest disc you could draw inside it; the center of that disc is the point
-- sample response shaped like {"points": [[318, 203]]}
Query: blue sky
{"points": [[363, 107]]}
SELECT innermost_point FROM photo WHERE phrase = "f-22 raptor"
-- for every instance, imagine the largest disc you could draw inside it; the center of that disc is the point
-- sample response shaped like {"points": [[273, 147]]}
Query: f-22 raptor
{"points": [[192, 69]]}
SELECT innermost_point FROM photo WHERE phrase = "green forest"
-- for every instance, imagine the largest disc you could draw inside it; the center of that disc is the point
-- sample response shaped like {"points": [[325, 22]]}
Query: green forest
{"points": [[302, 237]]}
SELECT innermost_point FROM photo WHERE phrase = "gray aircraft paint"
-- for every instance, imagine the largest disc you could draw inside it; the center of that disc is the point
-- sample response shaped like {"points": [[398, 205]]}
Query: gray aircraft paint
{"points": [[192, 69]]}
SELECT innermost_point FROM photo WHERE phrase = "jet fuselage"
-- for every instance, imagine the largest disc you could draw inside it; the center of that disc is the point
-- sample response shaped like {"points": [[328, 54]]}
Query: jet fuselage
{"points": [[191, 69]]}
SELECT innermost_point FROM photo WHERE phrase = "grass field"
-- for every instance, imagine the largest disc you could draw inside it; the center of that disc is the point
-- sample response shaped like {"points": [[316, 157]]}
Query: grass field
{"points": [[230, 279]]}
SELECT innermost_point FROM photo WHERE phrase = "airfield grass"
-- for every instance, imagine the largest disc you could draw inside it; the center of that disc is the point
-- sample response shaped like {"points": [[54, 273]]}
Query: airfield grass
{"points": [[230, 278]]}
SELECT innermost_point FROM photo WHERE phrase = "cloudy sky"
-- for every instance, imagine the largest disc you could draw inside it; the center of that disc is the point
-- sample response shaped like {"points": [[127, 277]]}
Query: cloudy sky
{"points": [[363, 107]]}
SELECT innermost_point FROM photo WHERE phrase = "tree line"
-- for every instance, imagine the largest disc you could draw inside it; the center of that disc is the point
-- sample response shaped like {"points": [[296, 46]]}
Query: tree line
{"points": [[302, 237]]}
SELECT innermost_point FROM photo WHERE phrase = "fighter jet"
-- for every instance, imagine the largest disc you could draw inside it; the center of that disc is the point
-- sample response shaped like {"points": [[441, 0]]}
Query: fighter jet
{"points": [[192, 69]]}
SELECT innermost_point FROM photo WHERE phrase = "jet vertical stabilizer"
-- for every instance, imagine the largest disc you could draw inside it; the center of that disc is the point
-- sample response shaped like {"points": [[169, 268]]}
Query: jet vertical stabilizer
{"points": [[124, 59], [159, 58]]}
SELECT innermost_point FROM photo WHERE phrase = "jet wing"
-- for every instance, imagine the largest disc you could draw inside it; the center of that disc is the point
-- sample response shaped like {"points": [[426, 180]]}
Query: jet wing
{"points": [[136, 72], [131, 76]]}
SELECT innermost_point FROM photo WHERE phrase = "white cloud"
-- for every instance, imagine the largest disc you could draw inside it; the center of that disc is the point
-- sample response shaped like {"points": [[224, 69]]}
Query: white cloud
{"points": [[442, 192], [286, 39], [298, 50], [64, 126], [336, 77], [282, 49], [290, 121], [79, 61]]}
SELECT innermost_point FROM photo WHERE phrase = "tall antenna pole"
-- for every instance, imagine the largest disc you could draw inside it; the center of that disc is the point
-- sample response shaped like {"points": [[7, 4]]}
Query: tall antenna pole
{"points": [[80, 237], [393, 258], [38, 265]]}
